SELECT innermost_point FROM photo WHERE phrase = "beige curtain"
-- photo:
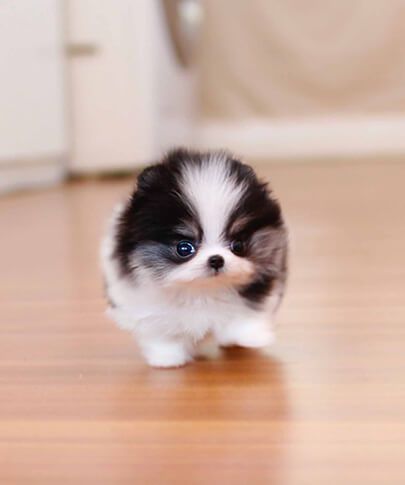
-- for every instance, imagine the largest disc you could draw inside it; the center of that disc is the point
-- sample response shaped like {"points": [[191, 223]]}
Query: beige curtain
{"points": [[283, 58]]}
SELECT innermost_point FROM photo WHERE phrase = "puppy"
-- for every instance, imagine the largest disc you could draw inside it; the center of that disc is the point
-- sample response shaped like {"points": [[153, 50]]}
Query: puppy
{"points": [[199, 248]]}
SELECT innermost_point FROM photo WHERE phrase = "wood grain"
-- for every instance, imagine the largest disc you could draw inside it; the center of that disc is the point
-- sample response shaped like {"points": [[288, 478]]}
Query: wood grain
{"points": [[78, 405]]}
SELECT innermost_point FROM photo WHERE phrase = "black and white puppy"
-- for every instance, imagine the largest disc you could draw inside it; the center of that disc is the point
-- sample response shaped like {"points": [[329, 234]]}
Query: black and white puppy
{"points": [[199, 248]]}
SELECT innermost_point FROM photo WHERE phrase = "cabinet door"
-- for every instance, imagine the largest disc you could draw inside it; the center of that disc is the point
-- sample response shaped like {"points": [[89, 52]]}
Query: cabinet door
{"points": [[32, 95], [130, 98]]}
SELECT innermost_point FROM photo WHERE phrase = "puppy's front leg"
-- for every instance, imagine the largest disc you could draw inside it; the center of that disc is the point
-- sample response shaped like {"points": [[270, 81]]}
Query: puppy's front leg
{"points": [[165, 352]]}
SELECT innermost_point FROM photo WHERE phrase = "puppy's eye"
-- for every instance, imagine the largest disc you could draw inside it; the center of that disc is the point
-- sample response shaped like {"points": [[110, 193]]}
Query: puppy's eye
{"points": [[238, 247], [185, 249]]}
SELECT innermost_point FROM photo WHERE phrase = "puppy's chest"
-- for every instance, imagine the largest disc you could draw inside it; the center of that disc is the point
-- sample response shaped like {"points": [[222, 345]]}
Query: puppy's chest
{"points": [[209, 304], [185, 312], [201, 310]]}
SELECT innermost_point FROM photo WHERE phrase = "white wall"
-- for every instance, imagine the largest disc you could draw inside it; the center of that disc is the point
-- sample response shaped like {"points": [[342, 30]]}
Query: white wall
{"points": [[326, 80]]}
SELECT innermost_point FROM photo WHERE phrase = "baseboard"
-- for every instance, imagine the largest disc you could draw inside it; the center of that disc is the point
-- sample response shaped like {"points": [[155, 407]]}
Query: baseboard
{"points": [[305, 139], [31, 174]]}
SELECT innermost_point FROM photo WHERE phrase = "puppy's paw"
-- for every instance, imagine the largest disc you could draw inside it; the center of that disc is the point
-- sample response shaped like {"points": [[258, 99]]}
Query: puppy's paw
{"points": [[246, 335], [166, 354], [255, 340]]}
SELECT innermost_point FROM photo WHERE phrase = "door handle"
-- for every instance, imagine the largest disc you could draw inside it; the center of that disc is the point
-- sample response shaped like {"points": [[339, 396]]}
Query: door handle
{"points": [[82, 49]]}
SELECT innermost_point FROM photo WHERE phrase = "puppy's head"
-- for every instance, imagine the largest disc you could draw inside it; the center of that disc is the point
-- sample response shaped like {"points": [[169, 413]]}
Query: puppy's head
{"points": [[200, 220]]}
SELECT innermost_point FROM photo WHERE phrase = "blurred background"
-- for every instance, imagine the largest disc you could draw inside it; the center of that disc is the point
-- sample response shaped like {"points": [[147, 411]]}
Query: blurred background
{"points": [[104, 86]]}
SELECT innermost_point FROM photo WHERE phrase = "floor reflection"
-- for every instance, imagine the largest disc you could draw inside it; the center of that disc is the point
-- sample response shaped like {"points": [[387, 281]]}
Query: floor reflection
{"points": [[213, 414]]}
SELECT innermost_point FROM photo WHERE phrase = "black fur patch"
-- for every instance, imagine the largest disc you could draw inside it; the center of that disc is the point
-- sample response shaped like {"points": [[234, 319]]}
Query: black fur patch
{"points": [[258, 289], [258, 210], [155, 208], [257, 207]]}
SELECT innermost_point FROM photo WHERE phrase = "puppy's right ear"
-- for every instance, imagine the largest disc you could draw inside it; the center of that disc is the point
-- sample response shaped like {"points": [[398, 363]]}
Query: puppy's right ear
{"points": [[149, 178]]}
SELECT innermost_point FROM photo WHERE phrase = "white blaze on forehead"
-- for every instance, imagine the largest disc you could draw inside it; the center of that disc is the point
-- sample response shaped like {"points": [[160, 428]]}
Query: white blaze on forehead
{"points": [[213, 192]]}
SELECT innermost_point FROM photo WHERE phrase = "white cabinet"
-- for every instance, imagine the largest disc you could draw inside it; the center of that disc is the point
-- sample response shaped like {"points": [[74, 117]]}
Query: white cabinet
{"points": [[33, 140], [130, 99]]}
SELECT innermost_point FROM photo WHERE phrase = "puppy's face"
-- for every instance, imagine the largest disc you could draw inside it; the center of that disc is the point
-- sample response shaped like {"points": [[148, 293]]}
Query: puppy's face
{"points": [[201, 221]]}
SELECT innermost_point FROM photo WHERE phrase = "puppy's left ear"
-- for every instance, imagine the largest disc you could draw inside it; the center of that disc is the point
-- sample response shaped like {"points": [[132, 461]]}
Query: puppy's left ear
{"points": [[242, 171]]}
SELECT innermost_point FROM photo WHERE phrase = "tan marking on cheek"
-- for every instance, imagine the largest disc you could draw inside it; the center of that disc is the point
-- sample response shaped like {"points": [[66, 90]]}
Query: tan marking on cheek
{"points": [[239, 224], [264, 245]]}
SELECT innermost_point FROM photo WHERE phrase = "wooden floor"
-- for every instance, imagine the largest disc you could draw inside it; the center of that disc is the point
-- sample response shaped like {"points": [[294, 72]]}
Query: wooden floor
{"points": [[78, 406]]}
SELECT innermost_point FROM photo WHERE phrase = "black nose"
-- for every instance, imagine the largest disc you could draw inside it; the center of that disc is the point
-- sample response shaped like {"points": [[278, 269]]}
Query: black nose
{"points": [[216, 261]]}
